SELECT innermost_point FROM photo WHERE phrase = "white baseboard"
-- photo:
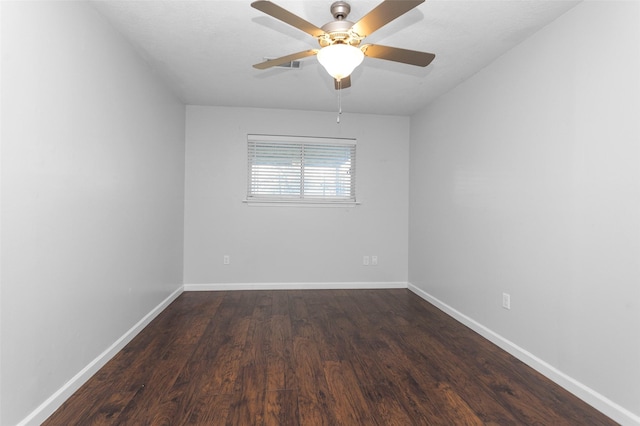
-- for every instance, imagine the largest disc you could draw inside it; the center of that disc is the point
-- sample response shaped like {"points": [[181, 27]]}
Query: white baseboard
{"points": [[54, 402], [593, 398], [294, 286], [588, 395]]}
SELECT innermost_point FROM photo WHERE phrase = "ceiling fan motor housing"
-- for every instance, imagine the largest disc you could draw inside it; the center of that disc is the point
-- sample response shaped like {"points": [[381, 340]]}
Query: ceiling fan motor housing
{"points": [[339, 31]]}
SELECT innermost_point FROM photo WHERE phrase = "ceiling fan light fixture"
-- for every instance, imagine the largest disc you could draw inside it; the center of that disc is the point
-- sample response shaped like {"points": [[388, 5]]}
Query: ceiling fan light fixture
{"points": [[340, 59]]}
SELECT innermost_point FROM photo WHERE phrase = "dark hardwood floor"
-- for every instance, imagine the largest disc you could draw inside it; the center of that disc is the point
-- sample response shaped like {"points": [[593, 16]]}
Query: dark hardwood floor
{"points": [[343, 357]]}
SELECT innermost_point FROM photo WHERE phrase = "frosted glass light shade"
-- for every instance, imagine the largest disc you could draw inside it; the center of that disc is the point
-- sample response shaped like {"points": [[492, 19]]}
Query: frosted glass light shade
{"points": [[340, 59]]}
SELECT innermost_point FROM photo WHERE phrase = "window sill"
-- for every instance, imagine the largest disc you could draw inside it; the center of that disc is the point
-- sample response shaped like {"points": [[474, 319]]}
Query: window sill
{"points": [[292, 203]]}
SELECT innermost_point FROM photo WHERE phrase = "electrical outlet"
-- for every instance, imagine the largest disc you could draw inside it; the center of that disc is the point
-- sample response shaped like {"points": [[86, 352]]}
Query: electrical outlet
{"points": [[365, 260], [506, 301], [226, 259], [374, 260]]}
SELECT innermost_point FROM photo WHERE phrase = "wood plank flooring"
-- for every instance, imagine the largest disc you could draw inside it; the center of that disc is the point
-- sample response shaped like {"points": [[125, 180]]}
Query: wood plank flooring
{"points": [[316, 357]]}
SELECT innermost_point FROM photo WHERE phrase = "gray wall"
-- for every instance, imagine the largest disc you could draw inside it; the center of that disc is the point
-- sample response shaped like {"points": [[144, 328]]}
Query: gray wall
{"points": [[287, 244], [92, 195], [525, 179]]}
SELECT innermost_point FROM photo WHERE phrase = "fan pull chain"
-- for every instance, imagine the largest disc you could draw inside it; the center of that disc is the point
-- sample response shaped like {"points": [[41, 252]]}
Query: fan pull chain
{"points": [[339, 100]]}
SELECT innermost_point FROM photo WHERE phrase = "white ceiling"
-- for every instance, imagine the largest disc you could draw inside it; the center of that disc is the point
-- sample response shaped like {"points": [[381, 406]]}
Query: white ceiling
{"points": [[204, 50]]}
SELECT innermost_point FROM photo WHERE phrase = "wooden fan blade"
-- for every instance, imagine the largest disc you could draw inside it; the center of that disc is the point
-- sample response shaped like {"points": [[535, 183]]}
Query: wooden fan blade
{"points": [[287, 17], [382, 14], [406, 56], [342, 84], [284, 59]]}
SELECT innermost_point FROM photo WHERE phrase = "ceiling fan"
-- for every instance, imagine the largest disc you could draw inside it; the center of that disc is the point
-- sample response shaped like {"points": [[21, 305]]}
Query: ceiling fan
{"points": [[340, 50]]}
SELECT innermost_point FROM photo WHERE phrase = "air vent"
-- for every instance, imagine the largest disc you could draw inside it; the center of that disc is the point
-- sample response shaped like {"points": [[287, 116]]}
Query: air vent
{"points": [[293, 65]]}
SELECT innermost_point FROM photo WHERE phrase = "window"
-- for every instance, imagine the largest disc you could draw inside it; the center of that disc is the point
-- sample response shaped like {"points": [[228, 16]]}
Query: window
{"points": [[301, 169]]}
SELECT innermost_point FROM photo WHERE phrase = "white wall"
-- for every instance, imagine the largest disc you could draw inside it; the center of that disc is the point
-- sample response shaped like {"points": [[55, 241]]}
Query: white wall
{"points": [[293, 244], [92, 195], [525, 179]]}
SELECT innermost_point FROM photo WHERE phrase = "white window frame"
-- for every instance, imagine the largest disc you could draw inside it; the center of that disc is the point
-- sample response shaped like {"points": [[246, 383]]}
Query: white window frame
{"points": [[305, 150]]}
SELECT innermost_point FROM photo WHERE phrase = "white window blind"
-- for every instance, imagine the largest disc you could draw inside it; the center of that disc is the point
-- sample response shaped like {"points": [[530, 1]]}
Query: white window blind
{"points": [[301, 169]]}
